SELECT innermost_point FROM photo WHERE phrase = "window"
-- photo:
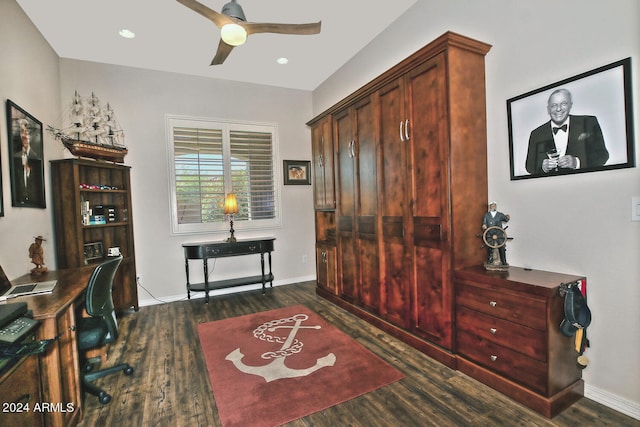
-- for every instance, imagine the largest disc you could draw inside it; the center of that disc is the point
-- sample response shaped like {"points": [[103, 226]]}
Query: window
{"points": [[209, 158]]}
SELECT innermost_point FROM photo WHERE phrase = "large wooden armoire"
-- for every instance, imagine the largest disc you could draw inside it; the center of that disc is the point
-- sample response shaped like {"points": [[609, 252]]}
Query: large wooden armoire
{"points": [[400, 171]]}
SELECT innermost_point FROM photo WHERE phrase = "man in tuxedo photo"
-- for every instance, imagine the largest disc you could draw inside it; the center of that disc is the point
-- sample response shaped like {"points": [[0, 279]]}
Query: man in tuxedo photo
{"points": [[27, 169], [566, 142]]}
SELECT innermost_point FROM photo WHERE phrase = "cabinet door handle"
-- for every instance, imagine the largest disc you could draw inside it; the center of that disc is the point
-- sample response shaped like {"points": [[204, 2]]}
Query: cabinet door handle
{"points": [[353, 149], [494, 358], [401, 132], [493, 303], [406, 130], [493, 330]]}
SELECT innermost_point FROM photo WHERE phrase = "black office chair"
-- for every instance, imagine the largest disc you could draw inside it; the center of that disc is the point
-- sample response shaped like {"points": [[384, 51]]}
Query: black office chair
{"points": [[102, 327]]}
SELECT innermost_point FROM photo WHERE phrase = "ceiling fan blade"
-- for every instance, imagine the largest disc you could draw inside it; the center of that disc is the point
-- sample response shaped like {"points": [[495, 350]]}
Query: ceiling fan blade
{"points": [[218, 18], [260, 27], [223, 51]]}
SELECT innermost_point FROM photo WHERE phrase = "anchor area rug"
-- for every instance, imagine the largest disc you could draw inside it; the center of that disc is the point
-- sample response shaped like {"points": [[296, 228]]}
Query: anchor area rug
{"points": [[272, 367]]}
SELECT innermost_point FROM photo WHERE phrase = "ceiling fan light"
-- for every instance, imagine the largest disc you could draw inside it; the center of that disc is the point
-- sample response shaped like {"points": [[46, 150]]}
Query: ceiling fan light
{"points": [[233, 34]]}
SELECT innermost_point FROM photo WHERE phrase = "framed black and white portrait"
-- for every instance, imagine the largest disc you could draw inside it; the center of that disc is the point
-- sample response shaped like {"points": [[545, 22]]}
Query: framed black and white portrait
{"points": [[26, 158], [580, 124]]}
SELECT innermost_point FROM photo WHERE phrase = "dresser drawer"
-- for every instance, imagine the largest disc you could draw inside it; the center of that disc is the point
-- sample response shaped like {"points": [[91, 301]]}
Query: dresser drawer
{"points": [[525, 340], [518, 367], [518, 308]]}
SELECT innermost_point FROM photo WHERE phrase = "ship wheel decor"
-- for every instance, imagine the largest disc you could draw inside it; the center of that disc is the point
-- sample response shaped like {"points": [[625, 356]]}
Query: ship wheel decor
{"points": [[495, 240]]}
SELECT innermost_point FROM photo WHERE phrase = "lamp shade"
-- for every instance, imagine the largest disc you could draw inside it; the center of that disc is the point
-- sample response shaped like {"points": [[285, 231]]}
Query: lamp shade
{"points": [[230, 204], [233, 34]]}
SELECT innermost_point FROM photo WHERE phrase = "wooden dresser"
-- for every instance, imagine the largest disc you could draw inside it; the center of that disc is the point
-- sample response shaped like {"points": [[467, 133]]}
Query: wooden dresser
{"points": [[508, 336]]}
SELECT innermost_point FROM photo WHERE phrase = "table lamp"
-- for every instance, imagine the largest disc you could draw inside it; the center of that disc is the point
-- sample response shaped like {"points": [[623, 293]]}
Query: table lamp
{"points": [[230, 208]]}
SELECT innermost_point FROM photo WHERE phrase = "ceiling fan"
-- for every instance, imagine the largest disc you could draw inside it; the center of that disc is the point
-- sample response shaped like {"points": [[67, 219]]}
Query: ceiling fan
{"points": [[234, 27]]}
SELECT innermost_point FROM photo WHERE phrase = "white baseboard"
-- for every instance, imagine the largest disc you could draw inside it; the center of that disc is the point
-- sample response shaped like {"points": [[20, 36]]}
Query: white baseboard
{"points": [[612, 401], [152, 300]]}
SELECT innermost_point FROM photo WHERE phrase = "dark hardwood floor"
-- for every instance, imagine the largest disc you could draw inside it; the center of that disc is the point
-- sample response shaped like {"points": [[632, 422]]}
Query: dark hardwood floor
{"points": [[170, 385]]}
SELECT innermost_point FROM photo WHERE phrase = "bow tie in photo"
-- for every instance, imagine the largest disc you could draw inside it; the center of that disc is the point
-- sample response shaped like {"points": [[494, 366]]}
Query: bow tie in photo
{"points": [[562, 128]]}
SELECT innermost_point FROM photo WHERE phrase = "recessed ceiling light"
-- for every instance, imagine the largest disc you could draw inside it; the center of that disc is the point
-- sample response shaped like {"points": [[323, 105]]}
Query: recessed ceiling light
{"points": [[282, 61], [127, 34]]}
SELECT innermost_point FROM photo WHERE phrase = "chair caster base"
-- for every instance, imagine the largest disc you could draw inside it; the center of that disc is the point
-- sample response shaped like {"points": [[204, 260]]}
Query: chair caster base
{"points": [[104, 398]]}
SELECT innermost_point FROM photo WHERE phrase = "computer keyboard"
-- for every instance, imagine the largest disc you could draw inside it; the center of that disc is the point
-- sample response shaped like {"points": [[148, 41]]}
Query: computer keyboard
{"points": [[23, 288]]}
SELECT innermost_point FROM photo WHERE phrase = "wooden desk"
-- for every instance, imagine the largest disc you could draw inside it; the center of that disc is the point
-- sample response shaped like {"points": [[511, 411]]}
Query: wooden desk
{"points": [[60, 365], [207, 250], [19, 390]]}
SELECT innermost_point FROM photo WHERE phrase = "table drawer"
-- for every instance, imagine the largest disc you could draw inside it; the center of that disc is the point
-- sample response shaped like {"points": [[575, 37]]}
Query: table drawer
{"points": [[518, 308], [238, 248], [518, 367], [207, 250], [525, 340]]}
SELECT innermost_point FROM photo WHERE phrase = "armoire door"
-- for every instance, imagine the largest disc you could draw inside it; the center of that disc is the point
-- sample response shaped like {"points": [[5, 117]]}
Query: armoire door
{"points": [[395, 270], [326, 267], [322, 147], [367, 206], [346, 204], [428, 174]]}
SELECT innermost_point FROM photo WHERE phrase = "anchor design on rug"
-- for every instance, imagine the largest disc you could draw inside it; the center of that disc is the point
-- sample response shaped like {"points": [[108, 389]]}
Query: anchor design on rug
{"points": [[277, 369]]}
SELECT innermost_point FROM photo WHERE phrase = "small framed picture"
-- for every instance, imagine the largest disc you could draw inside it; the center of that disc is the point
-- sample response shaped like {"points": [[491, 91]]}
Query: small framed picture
{"points": [[580, 124], [296, 172], [26, 158], [93, 252]]}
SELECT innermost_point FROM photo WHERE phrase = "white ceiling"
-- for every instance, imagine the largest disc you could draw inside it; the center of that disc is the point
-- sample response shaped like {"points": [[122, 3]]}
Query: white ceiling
{"points": [[171, 37]]}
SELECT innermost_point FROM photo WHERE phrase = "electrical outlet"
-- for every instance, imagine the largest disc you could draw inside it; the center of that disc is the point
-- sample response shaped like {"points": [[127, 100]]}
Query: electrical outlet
{"points": [[305, 259], [635, 209]]}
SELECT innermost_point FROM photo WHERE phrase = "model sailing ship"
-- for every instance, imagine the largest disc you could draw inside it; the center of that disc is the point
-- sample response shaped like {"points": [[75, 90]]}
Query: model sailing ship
{"points": [[93, 131]]}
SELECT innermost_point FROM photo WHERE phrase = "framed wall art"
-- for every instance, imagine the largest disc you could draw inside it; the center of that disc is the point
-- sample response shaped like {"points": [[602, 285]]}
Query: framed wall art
{"points": [[297, 172], [580, 124], [93, 252], [1, 195], [26, 158]]}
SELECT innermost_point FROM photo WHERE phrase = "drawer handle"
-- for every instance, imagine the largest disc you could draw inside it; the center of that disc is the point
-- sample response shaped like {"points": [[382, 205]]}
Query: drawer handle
{"points": [[25, 398], [493, 303], [493, 330], [494, 358]]}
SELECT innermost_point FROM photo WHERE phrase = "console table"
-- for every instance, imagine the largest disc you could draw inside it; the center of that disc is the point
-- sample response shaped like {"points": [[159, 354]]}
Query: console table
{"points": [[206, 250]]}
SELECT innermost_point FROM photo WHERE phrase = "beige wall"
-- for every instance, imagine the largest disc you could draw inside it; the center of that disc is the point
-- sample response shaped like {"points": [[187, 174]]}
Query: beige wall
{"points": [[141, 99], [573, 224], [557, 222], [29, 77], [33, 76]]}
